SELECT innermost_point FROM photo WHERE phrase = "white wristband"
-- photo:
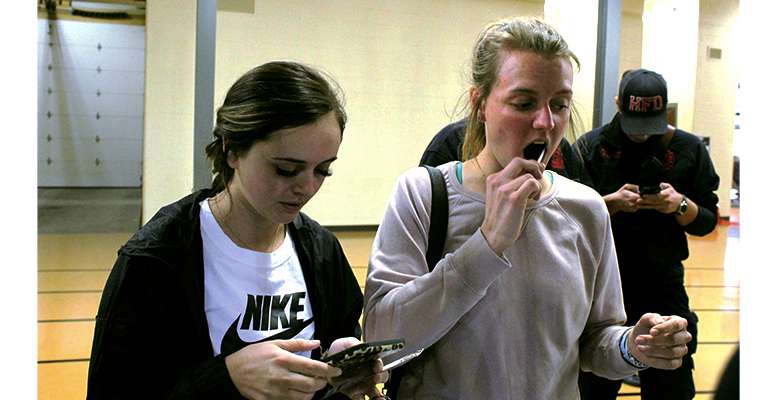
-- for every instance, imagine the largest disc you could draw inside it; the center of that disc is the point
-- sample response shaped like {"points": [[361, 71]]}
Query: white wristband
{"points": [[626, 354]]}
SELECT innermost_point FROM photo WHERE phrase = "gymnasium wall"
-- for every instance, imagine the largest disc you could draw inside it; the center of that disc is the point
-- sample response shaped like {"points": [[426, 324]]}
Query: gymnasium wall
{"points": [[402, 65]]}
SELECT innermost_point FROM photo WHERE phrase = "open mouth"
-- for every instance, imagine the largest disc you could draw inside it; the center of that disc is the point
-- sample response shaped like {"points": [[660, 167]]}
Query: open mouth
{"points": [[534, 151], [292, 206]]}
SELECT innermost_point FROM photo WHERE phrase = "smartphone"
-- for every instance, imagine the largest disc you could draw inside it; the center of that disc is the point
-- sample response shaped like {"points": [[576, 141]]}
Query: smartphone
{"points": [[364, 352], [645, 190], [355, 357], [534, 151]]}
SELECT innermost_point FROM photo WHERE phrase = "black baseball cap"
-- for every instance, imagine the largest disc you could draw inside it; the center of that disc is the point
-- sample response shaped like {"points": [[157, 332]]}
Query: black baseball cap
{"points": [[643, 102]]}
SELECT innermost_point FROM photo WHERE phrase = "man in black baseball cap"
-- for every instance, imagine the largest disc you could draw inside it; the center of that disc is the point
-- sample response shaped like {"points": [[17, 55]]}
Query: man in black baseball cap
{"points": [[642, 103], [658, 183]]}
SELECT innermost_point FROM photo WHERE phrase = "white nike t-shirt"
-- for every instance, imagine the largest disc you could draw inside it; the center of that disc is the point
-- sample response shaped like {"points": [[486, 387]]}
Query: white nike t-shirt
{"points": [[251, 296]]}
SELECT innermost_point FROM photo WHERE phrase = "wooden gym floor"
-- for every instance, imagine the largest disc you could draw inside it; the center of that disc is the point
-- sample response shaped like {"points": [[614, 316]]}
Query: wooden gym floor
{"points": [[73, 268]]}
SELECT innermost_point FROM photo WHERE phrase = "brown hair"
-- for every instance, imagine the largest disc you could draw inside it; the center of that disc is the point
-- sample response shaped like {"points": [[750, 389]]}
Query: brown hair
{"points": [[517, 33], [273, 96]]}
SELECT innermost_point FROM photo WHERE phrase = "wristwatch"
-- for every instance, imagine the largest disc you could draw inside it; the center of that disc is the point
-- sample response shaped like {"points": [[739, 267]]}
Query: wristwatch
{"points": [[682, 207]]}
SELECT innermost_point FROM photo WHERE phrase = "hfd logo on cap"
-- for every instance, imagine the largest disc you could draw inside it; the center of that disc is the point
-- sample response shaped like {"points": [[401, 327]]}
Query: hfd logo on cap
{"points": [[645, 104]]}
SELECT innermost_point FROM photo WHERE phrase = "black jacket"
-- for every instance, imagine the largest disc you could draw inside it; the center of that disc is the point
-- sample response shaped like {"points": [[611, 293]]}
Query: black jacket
{"points": [[151, 337], [648, 236]]}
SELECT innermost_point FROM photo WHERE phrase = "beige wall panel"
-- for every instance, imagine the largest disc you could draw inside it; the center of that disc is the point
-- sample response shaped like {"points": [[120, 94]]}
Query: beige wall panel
{"points": [[361, 276], [576, 20], [402, 65], [631, 36], [357, 246], [168, 163], [716, 89], [246, 6], [169, 106], [672, 52]]}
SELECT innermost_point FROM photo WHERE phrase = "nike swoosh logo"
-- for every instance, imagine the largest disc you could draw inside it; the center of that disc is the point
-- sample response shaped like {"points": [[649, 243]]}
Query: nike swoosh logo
{"points": [[231, 342]]}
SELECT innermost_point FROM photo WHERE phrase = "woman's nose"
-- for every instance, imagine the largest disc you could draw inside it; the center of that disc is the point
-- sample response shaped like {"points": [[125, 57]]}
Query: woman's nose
{"points": [[544, 118], [305, 184]]}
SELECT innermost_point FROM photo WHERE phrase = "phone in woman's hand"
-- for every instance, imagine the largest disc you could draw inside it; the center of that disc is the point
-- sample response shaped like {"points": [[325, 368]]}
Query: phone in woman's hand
{"points": [[356, 362], [367, 351]]}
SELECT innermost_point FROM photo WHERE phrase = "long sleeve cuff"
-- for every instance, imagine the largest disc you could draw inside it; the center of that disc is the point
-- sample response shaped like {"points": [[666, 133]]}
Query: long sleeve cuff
{"points": [[212, 380], [704, 222]]}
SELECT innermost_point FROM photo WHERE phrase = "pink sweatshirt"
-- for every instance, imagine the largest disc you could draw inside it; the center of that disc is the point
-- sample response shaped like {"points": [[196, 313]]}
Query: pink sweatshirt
{"points": [[512, 327]]}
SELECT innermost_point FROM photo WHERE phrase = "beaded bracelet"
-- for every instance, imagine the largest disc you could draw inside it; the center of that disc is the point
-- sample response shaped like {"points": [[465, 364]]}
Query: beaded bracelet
{"points": [[626, 354]]}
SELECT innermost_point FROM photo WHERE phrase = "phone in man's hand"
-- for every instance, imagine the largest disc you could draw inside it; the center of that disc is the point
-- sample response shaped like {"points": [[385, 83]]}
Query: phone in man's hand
{"points": [[646, 190]]}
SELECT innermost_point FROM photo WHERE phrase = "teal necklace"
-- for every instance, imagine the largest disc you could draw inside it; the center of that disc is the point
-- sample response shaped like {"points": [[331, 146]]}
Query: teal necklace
{"points": [[549, 175], [459, 166]]}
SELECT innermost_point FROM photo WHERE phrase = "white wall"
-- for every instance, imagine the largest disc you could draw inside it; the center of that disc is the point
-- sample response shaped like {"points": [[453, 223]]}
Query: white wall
{"points": [[670, 37], [704, 88], [402, 66], [577, 21], [169, 105], [716, 88], [631, 36]]}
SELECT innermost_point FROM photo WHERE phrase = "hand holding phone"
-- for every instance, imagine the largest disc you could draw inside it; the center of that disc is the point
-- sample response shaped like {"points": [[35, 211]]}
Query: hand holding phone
{"points": [[645, 190], [358, 364]]}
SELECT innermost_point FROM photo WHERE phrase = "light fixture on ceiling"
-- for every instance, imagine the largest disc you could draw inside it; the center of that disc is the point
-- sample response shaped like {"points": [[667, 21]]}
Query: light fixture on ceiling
{"points": [[107, 9]]}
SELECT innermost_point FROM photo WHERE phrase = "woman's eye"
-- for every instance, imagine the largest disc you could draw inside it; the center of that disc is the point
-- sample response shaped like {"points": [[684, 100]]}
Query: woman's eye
{"points": [[286, 172], [290, 173], [523, 106], [324, 172], [560, 106]]}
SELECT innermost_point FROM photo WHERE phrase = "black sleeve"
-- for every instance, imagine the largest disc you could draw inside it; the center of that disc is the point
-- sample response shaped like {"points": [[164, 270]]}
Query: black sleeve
{"points": [[352, 297], [434, 158], [704, 183], [344, 305], [445, 146], [582, 148], [142, 346], [573, 158]]}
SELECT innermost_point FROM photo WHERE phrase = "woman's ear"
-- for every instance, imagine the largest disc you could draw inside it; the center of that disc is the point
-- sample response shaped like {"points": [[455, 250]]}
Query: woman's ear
{"points": [[231, 159], [476, 103]]}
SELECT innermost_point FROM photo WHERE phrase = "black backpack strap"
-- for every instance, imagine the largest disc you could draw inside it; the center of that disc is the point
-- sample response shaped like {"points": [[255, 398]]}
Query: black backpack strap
{"points": [[438, 226], [438, 230]]}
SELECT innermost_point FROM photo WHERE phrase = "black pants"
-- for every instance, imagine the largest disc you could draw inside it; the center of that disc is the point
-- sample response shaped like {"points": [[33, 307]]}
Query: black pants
{"points": [[650, 289]]}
